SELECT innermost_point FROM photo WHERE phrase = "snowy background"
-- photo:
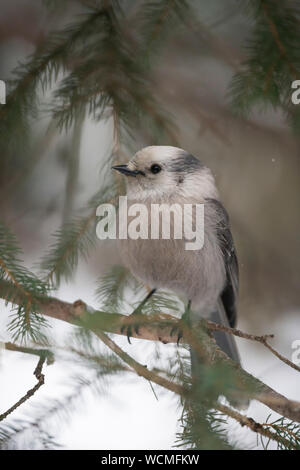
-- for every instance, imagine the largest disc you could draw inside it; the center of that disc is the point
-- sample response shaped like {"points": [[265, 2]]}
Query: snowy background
{"points": [[256, 165]]}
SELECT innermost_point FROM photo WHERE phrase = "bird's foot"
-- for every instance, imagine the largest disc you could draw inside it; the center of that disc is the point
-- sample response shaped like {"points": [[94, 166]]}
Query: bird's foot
{"points": [[136, 313], [134, 325], [178, 330], [182, 324]]}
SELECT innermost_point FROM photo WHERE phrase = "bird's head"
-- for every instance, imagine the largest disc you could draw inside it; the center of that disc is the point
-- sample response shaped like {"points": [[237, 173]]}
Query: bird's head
{"points": [[166, 171]]}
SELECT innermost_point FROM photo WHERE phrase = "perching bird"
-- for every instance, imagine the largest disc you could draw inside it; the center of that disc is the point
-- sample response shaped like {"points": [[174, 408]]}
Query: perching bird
{"points": [[206, 278]]}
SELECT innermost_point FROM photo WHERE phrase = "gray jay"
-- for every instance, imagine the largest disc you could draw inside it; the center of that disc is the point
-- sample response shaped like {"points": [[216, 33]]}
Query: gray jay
{"points": [[206, 278]]}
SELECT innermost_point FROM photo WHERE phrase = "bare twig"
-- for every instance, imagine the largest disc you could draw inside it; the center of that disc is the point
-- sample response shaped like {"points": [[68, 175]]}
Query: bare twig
{"points": [[254, 426], [40, 381], [260, 339]]}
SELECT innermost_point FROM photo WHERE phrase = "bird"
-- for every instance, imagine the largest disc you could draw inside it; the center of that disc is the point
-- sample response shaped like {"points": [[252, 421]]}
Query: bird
{"points": [[207, 278]]}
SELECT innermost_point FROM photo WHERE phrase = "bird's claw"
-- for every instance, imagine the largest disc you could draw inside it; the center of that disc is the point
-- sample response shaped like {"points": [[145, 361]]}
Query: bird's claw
{"points": [[179, 327], [129, 328], [179, 331]]}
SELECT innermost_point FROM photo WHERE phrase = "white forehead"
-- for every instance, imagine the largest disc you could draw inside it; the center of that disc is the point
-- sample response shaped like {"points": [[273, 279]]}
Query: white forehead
{"points": [[198, 181], [158, 153]]}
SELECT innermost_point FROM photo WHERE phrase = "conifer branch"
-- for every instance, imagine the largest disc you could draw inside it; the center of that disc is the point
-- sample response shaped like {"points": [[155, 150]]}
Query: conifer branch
{"points": [[277, 39], [272, 60], [42, 353], [258, 338], [47, 60], [258, 428], [158, 329], [73, 241], [21, 282]]}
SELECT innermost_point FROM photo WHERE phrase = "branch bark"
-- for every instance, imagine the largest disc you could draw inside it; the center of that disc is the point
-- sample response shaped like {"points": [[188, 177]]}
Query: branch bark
{"points": [[41, 353], [262, 429], [40, 381], [260, 339], [157, 328]]}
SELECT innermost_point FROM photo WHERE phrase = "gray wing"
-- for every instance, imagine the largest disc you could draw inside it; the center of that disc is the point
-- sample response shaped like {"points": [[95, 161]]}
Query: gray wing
{"points": [[230, 292], [225, 313]]}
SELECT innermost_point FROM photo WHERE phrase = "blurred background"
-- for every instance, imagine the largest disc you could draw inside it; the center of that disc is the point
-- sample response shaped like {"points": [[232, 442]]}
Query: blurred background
{"points": [[48, 179]]}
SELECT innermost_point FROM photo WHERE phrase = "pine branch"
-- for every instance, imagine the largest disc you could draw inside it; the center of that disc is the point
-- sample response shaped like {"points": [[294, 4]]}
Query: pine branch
{"points": [[202, 429], [110, 292], [102, 76], [42, 353], [74, 241], [158, 329], [265, 429], [40, 70], [10, 432], [44, 65], [275, 33], [103, 365], [288, 430], [211, 437], [21, 175], [110, 81], [26, 321], [260, 339], [158, 18], [34, 432], [272, 61]]}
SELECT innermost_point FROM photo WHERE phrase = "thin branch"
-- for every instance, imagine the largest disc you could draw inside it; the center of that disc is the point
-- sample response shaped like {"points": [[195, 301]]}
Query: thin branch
{"points": [[276, 36], [158, 328], [260, 339], [159, 24], [139, 368], [152, 376], [40, 381], [178, 389], [47, 58], [41, 353], [13, 279], [283, 428], [73, 159], [254, 426]]}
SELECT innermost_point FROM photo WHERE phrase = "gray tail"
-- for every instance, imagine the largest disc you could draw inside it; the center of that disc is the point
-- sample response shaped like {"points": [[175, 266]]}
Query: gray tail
{"points": [[227, 343]]}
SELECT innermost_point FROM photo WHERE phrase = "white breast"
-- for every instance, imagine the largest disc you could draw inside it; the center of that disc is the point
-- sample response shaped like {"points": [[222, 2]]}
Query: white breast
{"points": [[198, 275]]}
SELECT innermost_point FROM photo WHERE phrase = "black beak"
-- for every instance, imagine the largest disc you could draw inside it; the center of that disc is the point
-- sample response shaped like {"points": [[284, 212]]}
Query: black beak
{"points": [[126, 171]]}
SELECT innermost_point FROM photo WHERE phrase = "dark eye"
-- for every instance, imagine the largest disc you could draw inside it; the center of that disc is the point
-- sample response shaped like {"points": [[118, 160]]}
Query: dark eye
{"points": [[155, 168]]}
